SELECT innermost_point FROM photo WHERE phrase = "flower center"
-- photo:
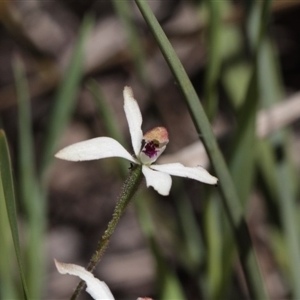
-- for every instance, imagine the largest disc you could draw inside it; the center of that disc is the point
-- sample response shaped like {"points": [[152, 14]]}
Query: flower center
{"points": [[150, 149], [153, 145]]}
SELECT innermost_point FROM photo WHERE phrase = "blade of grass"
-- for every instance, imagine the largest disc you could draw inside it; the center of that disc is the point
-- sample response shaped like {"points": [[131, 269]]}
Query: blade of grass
{"points": [[190, 247], [221, 250], [168, 283], [34, 204], [236, 70], [65, 98], [235, 77], [8, 285], [215, 240], [243, 146], [244, 140], [244, 143], [285, 180], [289, 216], [186, 235], [214, 58], [124, 13], [105, 112], [9, 195], [278, 245], [231, 201]]}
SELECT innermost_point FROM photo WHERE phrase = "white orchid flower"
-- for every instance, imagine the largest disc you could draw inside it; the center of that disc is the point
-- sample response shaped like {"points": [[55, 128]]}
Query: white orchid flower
{"points": [[96, 288], [147, 148]]}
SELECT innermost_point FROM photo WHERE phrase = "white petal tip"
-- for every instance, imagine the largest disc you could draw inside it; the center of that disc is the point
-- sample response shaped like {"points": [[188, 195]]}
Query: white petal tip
{"points": [[59, 155], [128, 91], [66, 154], [214, 181], [61, 267], [161, 191], [96, 288], [207, 177]]}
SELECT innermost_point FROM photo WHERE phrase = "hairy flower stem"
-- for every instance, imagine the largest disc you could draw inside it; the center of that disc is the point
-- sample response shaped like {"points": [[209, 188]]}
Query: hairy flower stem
{"points": [[130, 186]]}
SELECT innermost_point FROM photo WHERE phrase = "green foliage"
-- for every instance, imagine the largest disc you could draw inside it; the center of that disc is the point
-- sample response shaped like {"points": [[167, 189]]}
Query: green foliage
{"points": [[8, 200], [65, 99]]}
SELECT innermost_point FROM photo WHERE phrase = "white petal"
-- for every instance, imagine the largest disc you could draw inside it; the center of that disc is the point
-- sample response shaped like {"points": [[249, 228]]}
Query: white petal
{"points": [[161, 182], [134, 119], [96, 288], [96, 148], [177, 169]]}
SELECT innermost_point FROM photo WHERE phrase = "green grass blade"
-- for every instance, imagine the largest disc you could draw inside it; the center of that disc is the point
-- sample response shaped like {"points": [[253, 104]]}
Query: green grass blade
{"points": [[9, 195], [123, 10], [221, 251], [214, 57], [33, 203], [277, 177], [25, 134], [236, 71], [105, 112], [190, 246], [65, 99], [196, 110], [289, 216], [7, 262], [168, 284], [244, 142], [279, 174], [215, 239], [231, 201], [235, 77], [243, 146]]}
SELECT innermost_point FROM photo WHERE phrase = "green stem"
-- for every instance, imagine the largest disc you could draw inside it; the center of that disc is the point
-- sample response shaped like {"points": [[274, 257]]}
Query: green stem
{"points": [[130, 186]]}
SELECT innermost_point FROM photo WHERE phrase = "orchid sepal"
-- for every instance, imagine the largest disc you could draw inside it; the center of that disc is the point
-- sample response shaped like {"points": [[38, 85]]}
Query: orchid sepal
{"points": [[177, 169], [96, 288], [134, 119], [97, 148]]}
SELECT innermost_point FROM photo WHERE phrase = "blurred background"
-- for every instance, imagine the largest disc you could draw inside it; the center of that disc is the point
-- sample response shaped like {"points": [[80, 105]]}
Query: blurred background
{"points": [[63, 67]]}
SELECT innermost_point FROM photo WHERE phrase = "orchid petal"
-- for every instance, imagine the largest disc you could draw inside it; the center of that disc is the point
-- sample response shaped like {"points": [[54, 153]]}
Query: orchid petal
{"points": [[134, 119], [96, 148], [177, 169], [161, 182], [96, 288]]}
